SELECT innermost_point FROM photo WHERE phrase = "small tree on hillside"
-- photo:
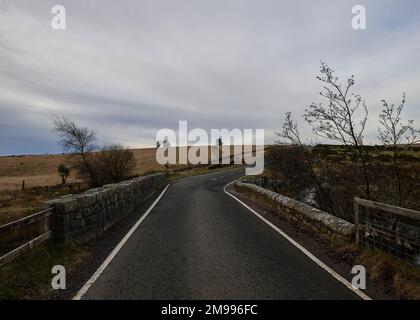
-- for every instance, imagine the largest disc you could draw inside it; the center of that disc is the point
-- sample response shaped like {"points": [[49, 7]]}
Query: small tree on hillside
{"points": [[393, 133], [343, 119], [64, 173]]}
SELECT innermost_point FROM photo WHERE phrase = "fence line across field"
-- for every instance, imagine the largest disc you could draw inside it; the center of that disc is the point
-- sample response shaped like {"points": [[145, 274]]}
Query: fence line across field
{"points": [[71, 186]]}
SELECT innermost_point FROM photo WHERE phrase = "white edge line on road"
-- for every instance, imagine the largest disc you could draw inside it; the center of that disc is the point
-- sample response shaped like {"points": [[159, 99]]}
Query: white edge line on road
{"points": [[114, 252], [301, 248]]}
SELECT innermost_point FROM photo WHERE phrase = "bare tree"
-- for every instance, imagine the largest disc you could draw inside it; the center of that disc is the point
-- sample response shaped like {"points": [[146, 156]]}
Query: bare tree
{"points": [[393, 133], [290, 132], [79, 141], [115, 163], [343, 119]]}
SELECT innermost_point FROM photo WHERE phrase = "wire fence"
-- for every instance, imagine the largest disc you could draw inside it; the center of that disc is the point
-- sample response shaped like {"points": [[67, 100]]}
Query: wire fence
{"points": [[392, 229]]}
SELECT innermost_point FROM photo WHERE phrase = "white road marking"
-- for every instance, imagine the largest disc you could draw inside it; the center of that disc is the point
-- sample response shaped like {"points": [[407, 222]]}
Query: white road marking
{"points": [[114, 252], [303, 249]]}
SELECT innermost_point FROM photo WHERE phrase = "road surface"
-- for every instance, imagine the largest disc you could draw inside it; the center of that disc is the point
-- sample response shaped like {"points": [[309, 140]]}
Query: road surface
{"points": [[199, 243]]}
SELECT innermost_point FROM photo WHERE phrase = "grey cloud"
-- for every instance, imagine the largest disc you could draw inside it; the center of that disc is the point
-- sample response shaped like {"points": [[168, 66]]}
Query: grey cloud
{"points": [[129, 68]]}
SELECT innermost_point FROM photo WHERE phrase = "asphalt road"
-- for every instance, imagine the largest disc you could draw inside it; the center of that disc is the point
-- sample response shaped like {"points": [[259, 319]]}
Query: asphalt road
{"points": [[199, 243]]}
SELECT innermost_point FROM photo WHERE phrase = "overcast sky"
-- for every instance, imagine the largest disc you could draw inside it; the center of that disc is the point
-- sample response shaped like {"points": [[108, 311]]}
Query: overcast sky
{"points": [[130, 68]]}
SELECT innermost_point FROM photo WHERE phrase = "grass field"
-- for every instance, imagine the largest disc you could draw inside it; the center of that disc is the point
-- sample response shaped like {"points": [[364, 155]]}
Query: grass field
{"points": [[41, 170]]}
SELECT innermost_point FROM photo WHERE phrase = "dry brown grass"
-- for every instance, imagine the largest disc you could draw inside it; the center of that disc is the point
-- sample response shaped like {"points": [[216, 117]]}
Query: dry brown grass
{"points": [[41, 171], [18, 204], [398, 279]]}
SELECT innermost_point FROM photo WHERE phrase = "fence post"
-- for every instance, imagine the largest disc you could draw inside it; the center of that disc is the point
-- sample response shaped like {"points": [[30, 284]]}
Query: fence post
{"points": [[357, 221], [46, 225], [23, 185]]}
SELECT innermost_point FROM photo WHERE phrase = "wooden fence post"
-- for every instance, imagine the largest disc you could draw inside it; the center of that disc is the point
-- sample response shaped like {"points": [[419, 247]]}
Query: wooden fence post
{"points": [[357, 222], [23, 185]]}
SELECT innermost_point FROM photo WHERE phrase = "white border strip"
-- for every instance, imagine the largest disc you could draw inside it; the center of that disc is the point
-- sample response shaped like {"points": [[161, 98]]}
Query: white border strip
{"points": [[114, 252], [301, 248]]}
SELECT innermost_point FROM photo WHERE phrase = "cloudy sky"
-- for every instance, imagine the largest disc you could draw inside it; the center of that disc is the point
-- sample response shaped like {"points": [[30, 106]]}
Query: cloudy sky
{"points": [[130, 68]]}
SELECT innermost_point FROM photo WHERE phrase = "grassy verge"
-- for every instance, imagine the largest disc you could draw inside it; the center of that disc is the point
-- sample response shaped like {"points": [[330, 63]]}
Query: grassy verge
{"points": [[394, 277], [29, 276]]}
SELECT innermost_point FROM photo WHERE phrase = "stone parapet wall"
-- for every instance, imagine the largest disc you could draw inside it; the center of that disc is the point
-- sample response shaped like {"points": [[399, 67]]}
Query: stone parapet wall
{"points": [[81, 217], [309, 217]]}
